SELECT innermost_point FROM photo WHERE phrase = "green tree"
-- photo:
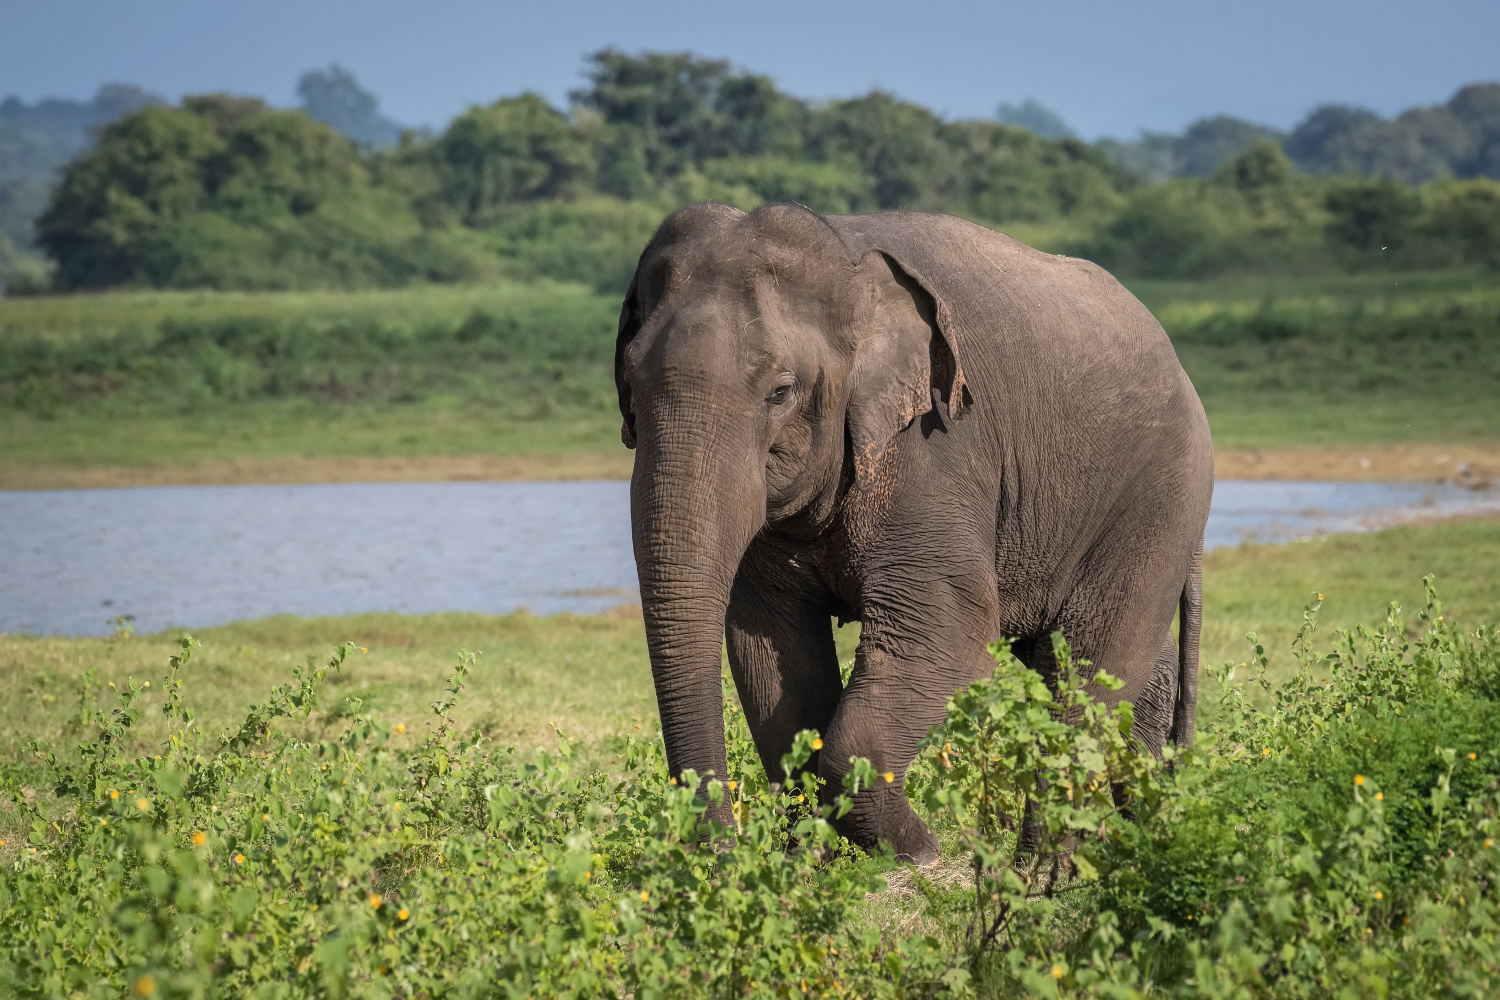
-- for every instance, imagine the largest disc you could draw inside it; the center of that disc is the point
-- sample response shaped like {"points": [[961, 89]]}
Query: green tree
{"points": [[334, 97], [225, 192], [517, 149], [1010, 174], [1261, 167], [1369, 217], [664, 100], [107, 217], [1326, 141], [1209, 143], [1465, 216], [903, 146], [1033, 115]]}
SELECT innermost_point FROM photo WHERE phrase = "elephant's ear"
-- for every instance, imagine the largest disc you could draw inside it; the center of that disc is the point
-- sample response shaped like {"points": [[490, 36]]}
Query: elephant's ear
{"points": [[630, 325], [906, 360]]}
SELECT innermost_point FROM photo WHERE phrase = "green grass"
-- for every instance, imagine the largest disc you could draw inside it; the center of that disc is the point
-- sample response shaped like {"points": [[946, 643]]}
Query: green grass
{"points": [[1372, 359], [293, 428], [163, 379]]}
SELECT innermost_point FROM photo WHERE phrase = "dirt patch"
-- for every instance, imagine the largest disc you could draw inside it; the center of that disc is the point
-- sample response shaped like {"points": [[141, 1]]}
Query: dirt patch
{"points": [[1467, 465], [614, 464]]}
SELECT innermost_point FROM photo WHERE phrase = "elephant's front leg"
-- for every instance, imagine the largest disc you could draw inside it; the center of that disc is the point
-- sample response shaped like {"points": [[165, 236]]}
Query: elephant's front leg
{"points": [[910, 661], [781, 651]]}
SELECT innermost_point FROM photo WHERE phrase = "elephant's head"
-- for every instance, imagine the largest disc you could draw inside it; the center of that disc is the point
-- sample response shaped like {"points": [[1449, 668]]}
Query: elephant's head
{"points": [[763, 370]]}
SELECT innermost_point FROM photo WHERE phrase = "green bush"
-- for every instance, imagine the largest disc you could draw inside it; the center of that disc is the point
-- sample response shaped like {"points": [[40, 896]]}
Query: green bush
{"points": [[1332, 836], [509, 351], [226, 193]]}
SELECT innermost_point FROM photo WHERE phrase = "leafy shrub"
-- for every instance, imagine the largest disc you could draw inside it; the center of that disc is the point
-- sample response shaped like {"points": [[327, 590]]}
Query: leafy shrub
{"points": [[1331, 836], [551, 339]]}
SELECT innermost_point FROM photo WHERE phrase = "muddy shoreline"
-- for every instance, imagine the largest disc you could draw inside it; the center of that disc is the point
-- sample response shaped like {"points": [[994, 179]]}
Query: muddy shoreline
{"points": [[1468, 465]]}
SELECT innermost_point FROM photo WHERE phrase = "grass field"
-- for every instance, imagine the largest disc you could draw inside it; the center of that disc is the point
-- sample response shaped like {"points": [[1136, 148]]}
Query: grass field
{"points": [[204, 387]]}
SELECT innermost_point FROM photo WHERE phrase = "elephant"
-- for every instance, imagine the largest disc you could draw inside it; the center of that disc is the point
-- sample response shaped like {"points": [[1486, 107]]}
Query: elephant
{"points": [[913, 422]]}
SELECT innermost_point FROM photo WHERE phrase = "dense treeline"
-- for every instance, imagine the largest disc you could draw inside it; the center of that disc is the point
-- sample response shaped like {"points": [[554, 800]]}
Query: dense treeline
{"points": [[226, 192]]}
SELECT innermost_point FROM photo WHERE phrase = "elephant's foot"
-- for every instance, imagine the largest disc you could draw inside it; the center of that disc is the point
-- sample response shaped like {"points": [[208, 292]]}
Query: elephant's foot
{"points": [[890, 819], [913, 842]]}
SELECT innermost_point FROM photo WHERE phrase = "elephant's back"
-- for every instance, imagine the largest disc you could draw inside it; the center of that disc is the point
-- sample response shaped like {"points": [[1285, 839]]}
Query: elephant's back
{"points": [[1033, 325], [1002, 291]]}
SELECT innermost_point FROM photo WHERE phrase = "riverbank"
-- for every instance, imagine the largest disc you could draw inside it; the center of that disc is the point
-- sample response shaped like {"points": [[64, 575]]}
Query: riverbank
{"points": [[1465, 464], [589, 675]]}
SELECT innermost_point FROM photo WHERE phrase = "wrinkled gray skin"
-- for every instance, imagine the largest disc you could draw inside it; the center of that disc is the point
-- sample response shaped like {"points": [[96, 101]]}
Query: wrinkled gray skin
{"points": [[916, 423]]}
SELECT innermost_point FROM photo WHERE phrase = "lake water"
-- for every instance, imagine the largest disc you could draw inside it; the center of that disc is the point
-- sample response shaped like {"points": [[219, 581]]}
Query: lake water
{"points": [[71, 560]]}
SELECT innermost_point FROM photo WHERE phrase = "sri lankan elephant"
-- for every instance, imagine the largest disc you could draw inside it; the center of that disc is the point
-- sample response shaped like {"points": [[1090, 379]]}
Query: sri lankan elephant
{"points": [[913, 422]]}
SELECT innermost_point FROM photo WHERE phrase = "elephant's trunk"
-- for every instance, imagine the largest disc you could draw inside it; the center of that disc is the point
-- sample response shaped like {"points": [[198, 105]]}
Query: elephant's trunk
{"points": [[697, 500]]}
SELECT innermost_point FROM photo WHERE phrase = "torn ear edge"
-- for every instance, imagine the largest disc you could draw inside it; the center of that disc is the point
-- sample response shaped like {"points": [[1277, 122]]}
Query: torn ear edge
{"points": [[630, 325], [947, 365]]}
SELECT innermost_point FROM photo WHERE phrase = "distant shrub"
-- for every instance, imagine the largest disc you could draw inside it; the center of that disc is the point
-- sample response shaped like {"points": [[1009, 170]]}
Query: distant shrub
{"points": [[548, 341]]}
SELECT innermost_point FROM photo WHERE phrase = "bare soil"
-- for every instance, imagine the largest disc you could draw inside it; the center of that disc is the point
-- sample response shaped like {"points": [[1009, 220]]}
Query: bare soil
{"points": [[614, 464], [1468, 464]]}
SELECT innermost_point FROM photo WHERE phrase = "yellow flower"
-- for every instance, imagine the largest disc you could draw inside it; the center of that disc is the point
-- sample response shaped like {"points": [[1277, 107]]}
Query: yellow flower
{"points": [[1265, 751], [1320, 597], [364, 649], [799, 797], [265, 817], [239, 859], [733, 785], [1379, 796], [199, 839], [645, 896], [671, 781], [889, 776], [402, 914], [396, 807], [1473, 756], [148, 683], [144, 986], [142, 805], [1489, 842], [1359, 779], [114, 794], [818, 744], [588, 874], [1379, 894], [400, 727], [1057, 972], [375, 900]]}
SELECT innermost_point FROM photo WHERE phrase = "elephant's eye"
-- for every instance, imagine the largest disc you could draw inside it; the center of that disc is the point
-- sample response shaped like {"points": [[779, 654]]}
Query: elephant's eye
{"points": [[779, 394]]}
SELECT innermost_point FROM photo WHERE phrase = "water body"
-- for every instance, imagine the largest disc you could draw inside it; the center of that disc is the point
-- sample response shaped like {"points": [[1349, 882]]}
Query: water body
{"points": [[194, 556]]}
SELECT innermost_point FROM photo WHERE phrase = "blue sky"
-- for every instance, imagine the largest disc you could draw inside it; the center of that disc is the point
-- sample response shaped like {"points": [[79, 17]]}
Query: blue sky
{"points": [[1110, 68]]}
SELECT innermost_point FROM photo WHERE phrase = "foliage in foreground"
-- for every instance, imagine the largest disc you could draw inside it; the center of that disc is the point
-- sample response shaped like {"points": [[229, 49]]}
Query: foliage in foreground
{"points": [[1339, 841]]}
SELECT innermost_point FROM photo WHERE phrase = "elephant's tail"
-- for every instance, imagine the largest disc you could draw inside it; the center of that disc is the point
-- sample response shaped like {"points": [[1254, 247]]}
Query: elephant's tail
{"points": [[1190, 627]]}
